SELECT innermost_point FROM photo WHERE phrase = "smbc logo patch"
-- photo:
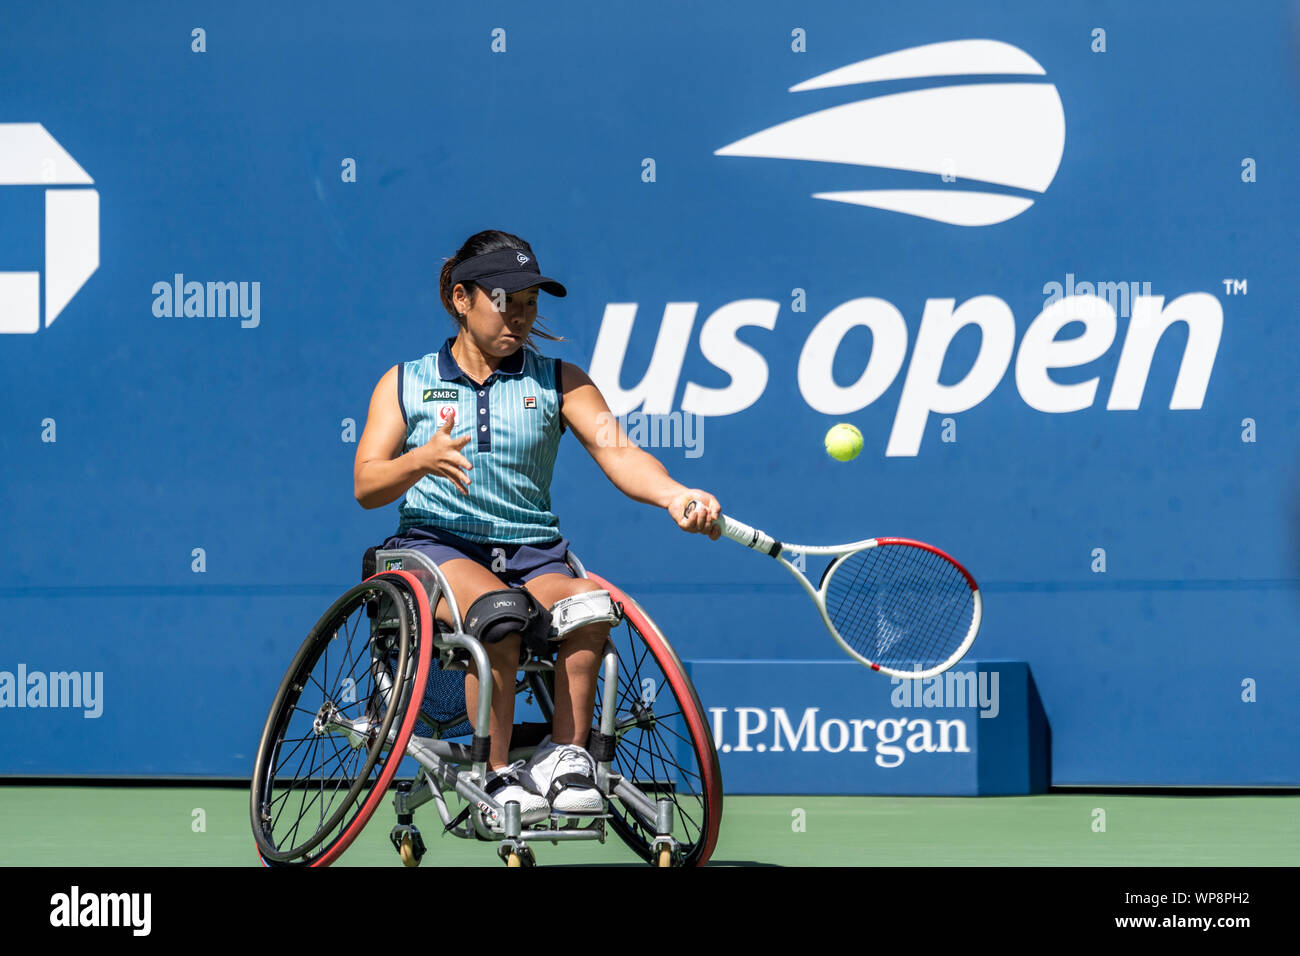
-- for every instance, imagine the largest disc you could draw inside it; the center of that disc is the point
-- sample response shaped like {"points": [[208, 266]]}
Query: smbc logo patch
{"points": [[29, 156]]}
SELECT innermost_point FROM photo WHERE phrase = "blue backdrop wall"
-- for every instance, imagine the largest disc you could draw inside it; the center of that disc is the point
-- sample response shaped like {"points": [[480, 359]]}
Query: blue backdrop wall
{"points": [[914, 253]]}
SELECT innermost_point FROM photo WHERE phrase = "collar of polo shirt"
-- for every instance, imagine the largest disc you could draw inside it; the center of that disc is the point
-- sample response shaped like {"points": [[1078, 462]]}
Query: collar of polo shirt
{"points": [[448, 369]]}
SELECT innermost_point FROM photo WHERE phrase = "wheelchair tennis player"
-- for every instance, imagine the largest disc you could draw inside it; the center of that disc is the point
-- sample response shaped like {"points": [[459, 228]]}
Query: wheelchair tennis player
{"points": [[469, 434]]}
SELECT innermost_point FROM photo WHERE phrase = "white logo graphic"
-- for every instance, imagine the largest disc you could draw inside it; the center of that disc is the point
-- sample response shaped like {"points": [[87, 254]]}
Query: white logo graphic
{"points": [[29, 156], [521, 257], [1005, 134], [923, 391]]}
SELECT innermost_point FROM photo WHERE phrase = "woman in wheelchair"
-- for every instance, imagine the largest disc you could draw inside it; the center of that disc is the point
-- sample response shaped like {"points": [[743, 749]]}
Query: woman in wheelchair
{"points": [[469, 435]]}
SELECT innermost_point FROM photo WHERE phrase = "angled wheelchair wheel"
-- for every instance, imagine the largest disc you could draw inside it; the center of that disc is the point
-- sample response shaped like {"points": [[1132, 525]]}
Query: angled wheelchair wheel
{"points": [[338, 728], [665, 748]]}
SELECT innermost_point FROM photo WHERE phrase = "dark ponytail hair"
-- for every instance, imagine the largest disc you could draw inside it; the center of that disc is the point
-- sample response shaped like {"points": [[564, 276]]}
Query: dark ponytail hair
{"points": [[481, 243]]}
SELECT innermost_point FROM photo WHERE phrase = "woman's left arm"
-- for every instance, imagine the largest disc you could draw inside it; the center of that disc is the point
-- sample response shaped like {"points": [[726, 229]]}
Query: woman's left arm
{"points": [[635, 472]]}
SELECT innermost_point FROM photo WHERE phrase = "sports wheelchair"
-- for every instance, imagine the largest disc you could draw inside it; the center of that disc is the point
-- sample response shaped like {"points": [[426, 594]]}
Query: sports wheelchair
{"points": [[379, 679]]}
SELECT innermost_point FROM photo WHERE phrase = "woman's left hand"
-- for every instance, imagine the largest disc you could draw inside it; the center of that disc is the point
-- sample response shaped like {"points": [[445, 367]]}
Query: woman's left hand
{"points": [[702, 517]]}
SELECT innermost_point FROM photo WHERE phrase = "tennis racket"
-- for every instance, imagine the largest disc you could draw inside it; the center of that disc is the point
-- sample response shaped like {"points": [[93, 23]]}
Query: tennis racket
{"points": [[898, 606]]}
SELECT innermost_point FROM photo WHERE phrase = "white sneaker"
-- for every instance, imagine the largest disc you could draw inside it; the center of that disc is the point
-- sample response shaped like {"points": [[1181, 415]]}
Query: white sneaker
{"points": [[509, 784], [566, 775]]}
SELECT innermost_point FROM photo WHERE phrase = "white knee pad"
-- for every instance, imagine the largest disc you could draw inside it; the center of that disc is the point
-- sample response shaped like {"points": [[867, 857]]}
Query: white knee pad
{"points": [[590, 607]]}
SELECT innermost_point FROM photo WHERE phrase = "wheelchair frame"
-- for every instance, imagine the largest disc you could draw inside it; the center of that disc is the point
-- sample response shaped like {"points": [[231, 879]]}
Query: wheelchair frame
{"points": [[447, 766]]}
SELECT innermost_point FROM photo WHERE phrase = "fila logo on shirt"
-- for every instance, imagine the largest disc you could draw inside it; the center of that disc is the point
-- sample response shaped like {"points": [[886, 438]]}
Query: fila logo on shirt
{"points": [[530, 401]]}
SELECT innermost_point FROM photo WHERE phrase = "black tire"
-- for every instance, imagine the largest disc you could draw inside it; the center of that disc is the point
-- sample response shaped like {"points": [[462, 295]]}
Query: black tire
{"points": [[365, 660]]}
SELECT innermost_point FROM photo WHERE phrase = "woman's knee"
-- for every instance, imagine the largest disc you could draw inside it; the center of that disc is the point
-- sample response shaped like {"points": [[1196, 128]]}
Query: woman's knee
{"points": [[502, 654], [589, 637], [582, 647]]}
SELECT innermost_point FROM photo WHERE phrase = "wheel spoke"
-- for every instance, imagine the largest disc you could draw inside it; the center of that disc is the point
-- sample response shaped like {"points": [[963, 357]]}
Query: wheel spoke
{"points": [[313, 787], [350, 630], [663, 759]]}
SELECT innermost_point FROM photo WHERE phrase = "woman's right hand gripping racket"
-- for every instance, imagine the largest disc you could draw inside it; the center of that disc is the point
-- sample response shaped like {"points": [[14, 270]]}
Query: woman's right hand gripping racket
{"points": [[900, 607]]}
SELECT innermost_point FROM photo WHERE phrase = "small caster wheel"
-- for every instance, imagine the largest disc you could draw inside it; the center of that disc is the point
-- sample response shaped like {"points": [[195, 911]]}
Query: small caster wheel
{"points": [[664, 857], [408, 843], [522, 856], [407, 851]]}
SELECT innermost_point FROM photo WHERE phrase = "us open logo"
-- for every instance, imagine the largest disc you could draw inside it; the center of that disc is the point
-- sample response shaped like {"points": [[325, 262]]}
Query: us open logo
{"points": [[1007, 134], [30, 156]]}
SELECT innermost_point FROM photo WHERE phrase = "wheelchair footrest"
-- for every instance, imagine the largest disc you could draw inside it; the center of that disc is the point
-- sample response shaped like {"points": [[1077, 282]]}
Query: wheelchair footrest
{"points": [[522, 735]]}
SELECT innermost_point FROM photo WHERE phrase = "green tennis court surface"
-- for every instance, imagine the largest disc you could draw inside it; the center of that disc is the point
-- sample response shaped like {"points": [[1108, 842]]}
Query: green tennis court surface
{"points": [[160, 826]]}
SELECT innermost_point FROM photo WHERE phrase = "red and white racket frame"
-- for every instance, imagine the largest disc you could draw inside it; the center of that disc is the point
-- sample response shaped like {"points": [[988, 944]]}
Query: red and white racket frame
{"points": [[764, 543]]}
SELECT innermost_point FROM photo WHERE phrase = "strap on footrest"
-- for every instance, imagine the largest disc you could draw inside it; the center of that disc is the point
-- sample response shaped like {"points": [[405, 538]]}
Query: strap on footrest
{"points": [[601, 746], [567, 780]]}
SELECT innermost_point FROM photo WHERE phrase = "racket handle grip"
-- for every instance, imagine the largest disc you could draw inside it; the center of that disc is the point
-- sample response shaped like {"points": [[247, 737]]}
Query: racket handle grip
{"points": [[742, 533]]}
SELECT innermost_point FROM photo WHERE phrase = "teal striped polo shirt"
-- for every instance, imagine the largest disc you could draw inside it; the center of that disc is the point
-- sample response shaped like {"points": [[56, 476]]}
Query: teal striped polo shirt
{"points": [[513, 420]]}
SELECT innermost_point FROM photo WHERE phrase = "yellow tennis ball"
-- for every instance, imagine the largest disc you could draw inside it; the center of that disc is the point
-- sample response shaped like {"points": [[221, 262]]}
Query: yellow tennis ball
{"points": [[843, 442]]}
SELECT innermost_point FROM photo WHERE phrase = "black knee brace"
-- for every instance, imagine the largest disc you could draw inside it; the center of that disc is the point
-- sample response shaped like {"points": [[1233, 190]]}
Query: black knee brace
{"points": [[497, 614]]}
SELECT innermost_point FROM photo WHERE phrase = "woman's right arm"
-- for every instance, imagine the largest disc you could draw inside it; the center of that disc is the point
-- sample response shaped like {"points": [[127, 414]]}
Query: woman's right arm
{"points": [[381, 475]]}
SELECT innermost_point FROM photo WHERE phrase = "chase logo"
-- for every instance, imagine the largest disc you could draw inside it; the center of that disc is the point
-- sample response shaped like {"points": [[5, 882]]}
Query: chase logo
{"points": [[1008, 134], [29, 156]]}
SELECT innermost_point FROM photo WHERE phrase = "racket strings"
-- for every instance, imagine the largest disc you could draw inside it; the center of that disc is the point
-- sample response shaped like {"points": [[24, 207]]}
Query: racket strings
{"points": [[900, 606]]}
